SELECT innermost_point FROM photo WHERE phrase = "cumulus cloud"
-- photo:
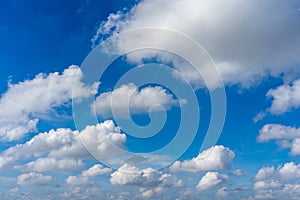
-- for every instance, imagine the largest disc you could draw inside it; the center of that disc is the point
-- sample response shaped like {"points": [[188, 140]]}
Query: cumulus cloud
{"points": [[26, 100], [83, 193], [248, 40], [128, 98], [33, 179], [96, 170], [222, 192], [78, 181], [286, 136], [283, 173], [285, 98], [211, 180], [282, 182], [215, 158], [238, 173], [85, 178], [65, 143], [52, 165], [131, 175]]}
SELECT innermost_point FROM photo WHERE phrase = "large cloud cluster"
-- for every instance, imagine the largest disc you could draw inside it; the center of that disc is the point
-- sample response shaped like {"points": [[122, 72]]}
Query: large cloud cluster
{"points": [[248, 40]]}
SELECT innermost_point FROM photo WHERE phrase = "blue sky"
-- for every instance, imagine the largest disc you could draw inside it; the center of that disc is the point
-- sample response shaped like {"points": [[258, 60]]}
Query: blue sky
{"points": [[54, 145]]}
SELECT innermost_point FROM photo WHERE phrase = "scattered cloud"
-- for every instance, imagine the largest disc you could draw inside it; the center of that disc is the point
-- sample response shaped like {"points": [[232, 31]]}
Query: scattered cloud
{"points": [[83, 193], [52, 165], [96, 170], [129, 99], [33, 179], [282, 182], [26, 100], [79, 181], [131, 175], [285, 98], [85, 178], [211, 180], [285, 136], [243, 56], [238, 173], [66, 144], [215, 158]]}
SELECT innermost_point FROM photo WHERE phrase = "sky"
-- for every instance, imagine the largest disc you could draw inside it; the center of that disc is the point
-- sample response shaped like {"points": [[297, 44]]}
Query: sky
{"points": [[149, 99]]}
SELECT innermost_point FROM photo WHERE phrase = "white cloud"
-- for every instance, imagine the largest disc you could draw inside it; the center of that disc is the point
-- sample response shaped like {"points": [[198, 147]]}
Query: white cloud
{"points": [[52, 165], [215, 158], [283, 173], [267, 185], [276, 191], [238, 173], [128, 98], [96, 170], [131, 175], [279, 183], [33, 179], [78, 181], [258, 39], [223, 192], [4, 160], [83, 193], [286, 136], [66, 144], [24, 101], [62, 142], [265, 173], [147, 194], [85, 178], [285, 98], [105, 140], [211, 180]]}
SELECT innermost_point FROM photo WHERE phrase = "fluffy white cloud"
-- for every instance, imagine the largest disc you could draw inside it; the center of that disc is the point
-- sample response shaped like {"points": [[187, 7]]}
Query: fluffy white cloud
{"points": [[4, 160], [33, 179], [282, 182], [62, 142], [286, 136], [131, 175], [286, 172], [65, 143], [147, 194], [24, 101], [105, 140], [285, 98], [128, 98], [248, 40], [52, 165], [96, 170], [78, 181], [238, 173], [222, 192], [267, 185], [211, 180], [83, 193], [85, 178], [215, 158]]}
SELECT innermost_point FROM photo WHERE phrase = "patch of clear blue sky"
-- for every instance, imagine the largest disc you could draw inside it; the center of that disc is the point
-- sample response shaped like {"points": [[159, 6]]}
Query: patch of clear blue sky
{"points": [[48, 35]]}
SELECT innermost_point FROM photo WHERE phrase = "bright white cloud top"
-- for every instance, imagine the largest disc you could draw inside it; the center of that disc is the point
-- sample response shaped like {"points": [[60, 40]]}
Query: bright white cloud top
{"points": [[215, 158], [241, 47], [25, 102], [127, 98]]}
